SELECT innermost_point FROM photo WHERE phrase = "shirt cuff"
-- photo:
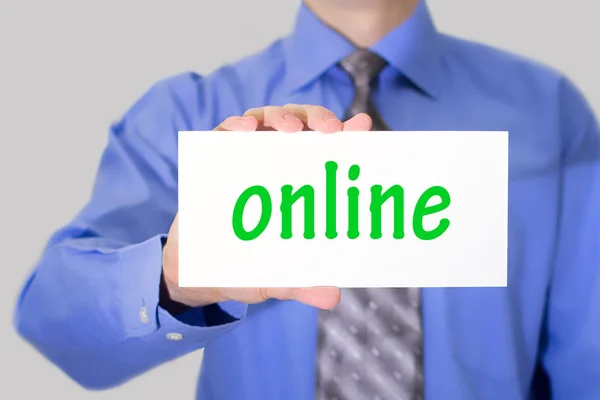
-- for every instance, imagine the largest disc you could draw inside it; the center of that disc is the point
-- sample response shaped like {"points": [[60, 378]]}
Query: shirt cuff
{"points": [[141, 270]]}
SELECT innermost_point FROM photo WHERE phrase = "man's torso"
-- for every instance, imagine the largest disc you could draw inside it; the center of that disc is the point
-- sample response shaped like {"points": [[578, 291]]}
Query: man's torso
{"points": [[479, 342]]}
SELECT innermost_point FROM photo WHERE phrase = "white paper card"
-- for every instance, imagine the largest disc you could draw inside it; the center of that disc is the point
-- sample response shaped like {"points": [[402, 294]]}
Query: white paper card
{"points": [[444, 223]]}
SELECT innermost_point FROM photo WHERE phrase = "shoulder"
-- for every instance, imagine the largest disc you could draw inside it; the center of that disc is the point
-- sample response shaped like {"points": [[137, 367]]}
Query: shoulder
{"points": [[193, 101], [485, 62], [532, 86], [204, 100]]}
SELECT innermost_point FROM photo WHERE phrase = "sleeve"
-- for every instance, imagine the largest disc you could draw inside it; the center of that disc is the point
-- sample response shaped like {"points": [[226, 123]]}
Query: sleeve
{"points": [[91, 305], [572, 352]]}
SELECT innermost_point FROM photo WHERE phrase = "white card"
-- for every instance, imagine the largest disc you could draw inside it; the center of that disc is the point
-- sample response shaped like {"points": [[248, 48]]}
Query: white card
{"points": [[443, 223]]}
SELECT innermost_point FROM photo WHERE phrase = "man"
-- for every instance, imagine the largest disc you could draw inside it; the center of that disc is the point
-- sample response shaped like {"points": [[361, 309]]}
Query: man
{"points": [[103, 302]]}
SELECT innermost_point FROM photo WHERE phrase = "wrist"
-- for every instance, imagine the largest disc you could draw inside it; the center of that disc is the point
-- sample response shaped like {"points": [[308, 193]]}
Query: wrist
{"points": [[167, 301]]}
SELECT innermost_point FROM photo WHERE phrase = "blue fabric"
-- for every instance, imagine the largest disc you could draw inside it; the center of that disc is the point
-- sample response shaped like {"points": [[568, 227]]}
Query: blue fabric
{"points": [[81, 306]]}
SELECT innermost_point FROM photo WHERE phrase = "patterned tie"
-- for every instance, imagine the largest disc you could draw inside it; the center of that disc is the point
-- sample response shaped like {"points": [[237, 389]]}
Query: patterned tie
{"points": [[370, 344]]}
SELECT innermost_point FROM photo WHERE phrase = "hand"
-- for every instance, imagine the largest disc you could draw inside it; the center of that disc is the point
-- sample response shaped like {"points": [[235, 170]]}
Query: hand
{"points": [[294, 118], [289, 118]]}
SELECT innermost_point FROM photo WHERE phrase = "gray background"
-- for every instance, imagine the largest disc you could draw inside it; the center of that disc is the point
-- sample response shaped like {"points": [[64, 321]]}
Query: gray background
{"points": [[69, 68]]}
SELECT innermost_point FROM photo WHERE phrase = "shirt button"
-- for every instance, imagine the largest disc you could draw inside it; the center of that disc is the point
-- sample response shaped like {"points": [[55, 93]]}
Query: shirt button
{"points": [[144, 315], [174, 336]]}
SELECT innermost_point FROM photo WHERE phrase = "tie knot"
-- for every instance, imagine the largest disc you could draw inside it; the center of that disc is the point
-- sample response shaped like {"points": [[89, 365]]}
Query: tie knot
{"points": [[362, 66]]}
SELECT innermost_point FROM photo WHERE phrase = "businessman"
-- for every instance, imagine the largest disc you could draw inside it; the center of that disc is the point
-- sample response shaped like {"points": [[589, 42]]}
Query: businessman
{"points": [[103, 302]]}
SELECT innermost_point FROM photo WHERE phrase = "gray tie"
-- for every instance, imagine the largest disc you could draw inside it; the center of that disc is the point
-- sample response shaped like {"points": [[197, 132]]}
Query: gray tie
{"points": [[370, 344], [363, 66]]}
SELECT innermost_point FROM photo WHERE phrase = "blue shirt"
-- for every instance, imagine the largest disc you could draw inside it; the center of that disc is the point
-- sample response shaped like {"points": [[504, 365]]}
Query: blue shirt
{"points": [[91, 304]]}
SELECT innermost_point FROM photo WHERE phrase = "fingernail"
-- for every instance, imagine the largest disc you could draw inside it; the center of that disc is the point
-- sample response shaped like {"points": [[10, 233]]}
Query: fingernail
{"points": [[289, 116], [247, 118]]}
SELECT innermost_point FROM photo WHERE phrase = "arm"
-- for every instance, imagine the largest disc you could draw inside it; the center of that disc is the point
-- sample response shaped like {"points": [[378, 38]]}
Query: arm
{"points": [[572, 353], [91, 306]]}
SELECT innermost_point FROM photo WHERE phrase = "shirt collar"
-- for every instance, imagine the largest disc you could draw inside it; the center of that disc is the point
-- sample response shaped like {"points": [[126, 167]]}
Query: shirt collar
{"points": [[413, 48]]}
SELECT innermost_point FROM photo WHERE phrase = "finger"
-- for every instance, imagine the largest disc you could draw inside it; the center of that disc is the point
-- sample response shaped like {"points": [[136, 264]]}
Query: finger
{"points": [[360, 122], [282, 120], [321, 297], [315, 118], [276, 118], [300, 113], [244, 124], [259, 115], [322, 120], [255, 295]]}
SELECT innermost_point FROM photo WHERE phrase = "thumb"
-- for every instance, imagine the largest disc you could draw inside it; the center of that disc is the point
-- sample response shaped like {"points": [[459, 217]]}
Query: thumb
{"points": [[320, 297]]}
